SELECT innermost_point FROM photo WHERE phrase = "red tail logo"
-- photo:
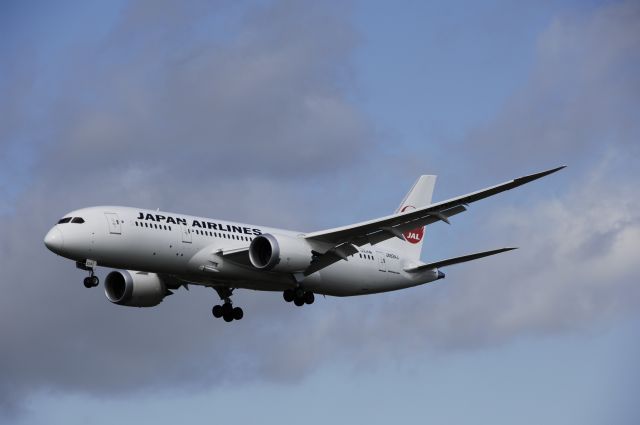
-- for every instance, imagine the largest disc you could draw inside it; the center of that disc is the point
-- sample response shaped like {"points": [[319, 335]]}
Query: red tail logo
{"points": [[415, 235]]}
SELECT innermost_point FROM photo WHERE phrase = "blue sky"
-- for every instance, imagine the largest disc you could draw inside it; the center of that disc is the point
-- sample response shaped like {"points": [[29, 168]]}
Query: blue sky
{"points": [[307, 115]]}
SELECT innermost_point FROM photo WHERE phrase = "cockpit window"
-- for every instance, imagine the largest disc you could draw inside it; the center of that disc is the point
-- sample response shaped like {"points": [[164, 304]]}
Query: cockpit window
{"points": [[64, 220], [77, 220]]}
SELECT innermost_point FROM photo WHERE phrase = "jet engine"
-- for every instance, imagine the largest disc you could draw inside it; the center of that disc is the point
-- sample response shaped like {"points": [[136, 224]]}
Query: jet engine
{"points": [[135, 289], [280, 253]]}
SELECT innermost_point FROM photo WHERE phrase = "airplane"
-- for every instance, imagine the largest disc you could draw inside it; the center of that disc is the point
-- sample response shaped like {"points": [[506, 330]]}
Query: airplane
{"points": [[155, 253]]}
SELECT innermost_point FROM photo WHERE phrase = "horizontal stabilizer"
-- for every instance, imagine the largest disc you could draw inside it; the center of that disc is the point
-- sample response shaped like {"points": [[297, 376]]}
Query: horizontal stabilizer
{"points": [[457, 260]]}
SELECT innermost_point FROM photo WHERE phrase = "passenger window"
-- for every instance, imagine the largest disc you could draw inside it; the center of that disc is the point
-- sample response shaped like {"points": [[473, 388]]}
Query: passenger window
{"points": [[64, 220], [79, 220]]}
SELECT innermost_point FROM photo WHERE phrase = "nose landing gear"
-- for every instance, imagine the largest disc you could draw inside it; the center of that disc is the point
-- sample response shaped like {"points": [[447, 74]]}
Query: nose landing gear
{"points": [[227, 311], [92, 280]]}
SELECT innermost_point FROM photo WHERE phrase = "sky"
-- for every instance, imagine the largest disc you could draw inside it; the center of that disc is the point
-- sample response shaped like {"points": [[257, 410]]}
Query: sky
{"points": [[310, 115]]}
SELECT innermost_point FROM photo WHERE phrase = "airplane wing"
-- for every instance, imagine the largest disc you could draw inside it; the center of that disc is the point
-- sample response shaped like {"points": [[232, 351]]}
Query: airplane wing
{"points": [[345, 239], [456, 260]]}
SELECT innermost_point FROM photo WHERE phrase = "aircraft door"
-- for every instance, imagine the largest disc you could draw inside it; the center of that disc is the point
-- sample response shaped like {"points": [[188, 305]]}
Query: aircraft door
{"points": [[382, 263], [186, 234], [114, 223]]}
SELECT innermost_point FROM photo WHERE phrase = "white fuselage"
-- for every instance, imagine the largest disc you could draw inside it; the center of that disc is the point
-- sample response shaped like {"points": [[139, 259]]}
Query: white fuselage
{"points": [[190, 249]]}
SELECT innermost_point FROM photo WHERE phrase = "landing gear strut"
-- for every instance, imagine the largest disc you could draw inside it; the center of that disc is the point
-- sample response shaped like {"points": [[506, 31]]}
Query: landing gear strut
{"points": [[92, 280], [227, 311], [299, 296]]}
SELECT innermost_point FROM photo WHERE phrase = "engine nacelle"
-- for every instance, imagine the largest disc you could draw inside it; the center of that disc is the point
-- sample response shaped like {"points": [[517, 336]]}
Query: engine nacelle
{"points": [[134, 289], [280, 253]]}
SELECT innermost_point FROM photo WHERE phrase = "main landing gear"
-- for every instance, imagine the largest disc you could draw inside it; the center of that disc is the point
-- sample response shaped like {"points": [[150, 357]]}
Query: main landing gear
{"points": [[227, 311], [92, 280], [299, 296]]}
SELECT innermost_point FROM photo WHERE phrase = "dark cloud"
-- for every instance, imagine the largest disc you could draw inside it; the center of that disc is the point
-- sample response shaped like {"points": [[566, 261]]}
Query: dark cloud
{"points": [[165, 111], [267, 101]]}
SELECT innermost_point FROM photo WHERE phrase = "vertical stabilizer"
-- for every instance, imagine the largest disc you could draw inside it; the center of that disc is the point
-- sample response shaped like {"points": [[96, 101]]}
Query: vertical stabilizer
{"points": [[419, 196]]}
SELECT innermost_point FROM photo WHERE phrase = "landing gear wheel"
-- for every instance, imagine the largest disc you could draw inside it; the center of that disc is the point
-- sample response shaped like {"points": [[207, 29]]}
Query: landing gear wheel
{"points": [[217, 311], [91, 281], [309, 298], [288, 295], [237, 313], [299, 292], [226, 309], [299, 302]]}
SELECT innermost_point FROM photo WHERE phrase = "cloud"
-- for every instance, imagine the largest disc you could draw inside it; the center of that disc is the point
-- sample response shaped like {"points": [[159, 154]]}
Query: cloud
{"points": [[268, 101], [581, 98], [578, 263], [162, 113], [182, 118]]}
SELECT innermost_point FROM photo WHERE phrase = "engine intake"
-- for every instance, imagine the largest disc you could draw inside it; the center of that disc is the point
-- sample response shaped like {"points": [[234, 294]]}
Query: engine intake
{"points": [[135, 289], [280, 253]]}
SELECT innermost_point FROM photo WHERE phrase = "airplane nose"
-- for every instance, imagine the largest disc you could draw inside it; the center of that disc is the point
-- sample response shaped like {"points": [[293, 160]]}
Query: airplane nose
{"points": [[53, 240]]}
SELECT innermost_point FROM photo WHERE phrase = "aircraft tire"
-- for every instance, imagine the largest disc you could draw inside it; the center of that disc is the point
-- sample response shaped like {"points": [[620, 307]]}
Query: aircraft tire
{"points": [[237, 313], [288, 295], [309, 298], [299, 302], [228, 317], [217, 311], [88, 283], [227, 309]]}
